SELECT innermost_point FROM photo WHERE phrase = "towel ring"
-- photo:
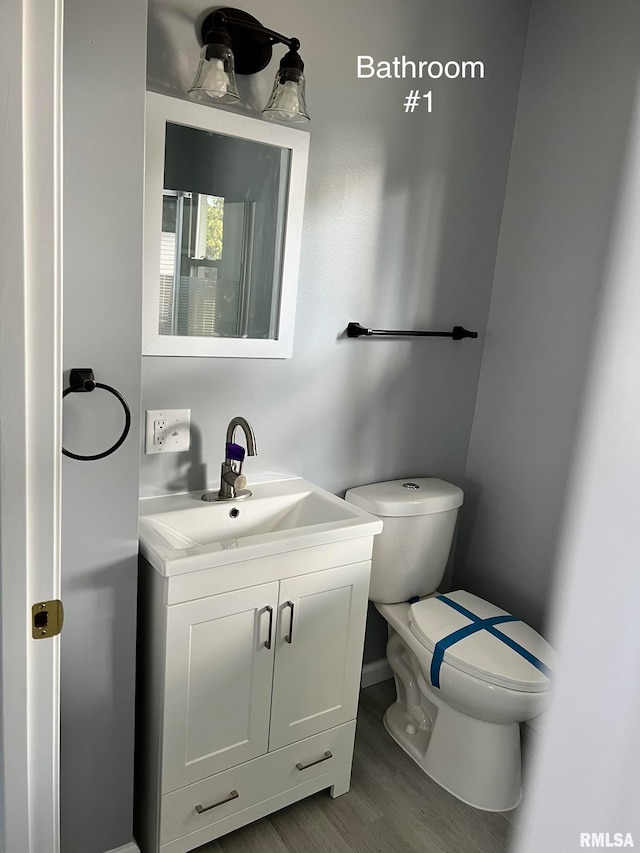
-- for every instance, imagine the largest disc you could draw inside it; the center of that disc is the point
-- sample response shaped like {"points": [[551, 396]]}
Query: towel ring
{"points": [[82, 379]]}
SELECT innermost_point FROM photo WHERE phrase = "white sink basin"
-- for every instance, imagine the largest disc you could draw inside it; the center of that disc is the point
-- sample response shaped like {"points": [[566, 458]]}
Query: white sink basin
{"points": [[183, 533]]}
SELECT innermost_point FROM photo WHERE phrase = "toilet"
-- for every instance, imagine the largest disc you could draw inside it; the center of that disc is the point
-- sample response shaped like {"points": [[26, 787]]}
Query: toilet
{"points": [[467, 673]]}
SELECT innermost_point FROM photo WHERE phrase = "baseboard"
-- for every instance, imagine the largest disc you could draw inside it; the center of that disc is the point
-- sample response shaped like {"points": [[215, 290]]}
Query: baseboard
{"points": [[131, 847], [375, 672]]}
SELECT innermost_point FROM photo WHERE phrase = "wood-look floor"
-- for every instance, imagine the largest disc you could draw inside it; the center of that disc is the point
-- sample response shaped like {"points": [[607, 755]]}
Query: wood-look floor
{"points": [[392, 807]]}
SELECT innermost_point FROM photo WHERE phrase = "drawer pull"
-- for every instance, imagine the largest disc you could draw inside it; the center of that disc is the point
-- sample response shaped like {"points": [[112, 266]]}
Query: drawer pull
{"points": [[325, 757], [232, 796]]}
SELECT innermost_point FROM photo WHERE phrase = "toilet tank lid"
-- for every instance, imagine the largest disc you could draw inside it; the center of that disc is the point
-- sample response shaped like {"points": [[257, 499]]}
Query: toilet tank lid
{"points": [[410, 496]]}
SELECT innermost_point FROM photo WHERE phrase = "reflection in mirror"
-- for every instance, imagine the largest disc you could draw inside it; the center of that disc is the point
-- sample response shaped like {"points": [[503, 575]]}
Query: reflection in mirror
{"points": [[223, 214], [224, 196]]}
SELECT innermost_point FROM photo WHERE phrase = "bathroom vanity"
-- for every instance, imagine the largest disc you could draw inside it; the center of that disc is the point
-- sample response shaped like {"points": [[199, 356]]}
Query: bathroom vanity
{"points": [[252, 618]]}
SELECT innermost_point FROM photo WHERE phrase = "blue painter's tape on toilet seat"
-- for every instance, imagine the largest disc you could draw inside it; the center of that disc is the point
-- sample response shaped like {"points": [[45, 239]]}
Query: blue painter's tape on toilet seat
{"points": [[477, 624]]}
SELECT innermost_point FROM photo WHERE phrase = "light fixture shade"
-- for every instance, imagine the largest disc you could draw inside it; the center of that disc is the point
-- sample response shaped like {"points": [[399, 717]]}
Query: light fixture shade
{"points": [[287, 101], [216, 78]]}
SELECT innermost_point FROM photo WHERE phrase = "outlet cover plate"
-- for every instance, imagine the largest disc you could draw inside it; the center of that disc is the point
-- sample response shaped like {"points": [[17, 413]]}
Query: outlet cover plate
{"points": [[167, 430]]}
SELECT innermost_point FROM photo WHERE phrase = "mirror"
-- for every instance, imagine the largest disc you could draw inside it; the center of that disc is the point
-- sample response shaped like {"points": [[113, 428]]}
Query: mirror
{"points": [[224, 196]]}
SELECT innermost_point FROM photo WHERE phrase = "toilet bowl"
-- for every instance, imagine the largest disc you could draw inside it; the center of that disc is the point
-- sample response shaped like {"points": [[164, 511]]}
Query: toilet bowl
{"points": [[467, 673], [464, 733]]}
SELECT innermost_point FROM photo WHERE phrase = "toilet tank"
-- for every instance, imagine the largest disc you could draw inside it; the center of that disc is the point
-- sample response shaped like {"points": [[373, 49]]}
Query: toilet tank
{"points": [[410, 555]]}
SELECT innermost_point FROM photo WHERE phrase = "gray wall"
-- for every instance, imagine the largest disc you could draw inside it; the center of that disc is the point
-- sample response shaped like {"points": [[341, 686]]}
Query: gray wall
{"points": [[597, 729], [104, 74], [578, 83], [401, 226]]}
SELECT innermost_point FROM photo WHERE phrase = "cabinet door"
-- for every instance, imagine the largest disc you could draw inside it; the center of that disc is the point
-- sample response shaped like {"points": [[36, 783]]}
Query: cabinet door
{"points": [[316, 680], [218, 671]]}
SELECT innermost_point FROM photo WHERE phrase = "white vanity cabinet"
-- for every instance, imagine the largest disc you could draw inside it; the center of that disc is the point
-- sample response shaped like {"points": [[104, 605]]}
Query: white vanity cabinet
{"points": [[249, 682]]}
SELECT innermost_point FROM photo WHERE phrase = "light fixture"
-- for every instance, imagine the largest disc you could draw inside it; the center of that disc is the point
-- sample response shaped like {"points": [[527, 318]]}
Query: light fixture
{"points": [[216, 77], [236, 42]]}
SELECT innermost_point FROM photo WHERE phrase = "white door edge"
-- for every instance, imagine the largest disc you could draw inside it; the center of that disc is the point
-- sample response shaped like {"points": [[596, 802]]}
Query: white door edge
{"points": [[30, 418]]}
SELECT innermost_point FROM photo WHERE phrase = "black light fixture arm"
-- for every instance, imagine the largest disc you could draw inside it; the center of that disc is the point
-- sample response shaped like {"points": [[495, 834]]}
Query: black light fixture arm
{"points": [[221, 20], [250, 41]]}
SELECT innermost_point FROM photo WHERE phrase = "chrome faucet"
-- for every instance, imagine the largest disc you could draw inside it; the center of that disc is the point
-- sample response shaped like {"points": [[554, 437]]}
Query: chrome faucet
{"points": [[232, 480]]}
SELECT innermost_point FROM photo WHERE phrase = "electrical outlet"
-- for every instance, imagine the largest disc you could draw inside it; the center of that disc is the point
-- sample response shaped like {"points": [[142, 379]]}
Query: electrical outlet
{"points": [[167, 430]]}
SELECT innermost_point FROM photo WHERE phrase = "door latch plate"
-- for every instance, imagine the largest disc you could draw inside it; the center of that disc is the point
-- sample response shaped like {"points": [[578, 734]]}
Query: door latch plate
{"points": [[46, 619]]}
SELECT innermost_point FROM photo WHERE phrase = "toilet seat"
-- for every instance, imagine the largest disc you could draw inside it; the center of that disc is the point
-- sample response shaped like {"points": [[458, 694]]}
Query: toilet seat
{"points": [[502, 651]]}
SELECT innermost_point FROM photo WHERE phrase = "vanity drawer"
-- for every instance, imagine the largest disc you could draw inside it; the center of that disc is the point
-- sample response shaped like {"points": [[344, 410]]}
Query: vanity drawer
{"points": [[204, 803]]}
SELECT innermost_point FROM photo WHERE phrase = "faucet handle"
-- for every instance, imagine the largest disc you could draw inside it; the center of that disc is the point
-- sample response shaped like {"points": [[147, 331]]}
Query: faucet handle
{"points": [[235, 452], [235, 479]]}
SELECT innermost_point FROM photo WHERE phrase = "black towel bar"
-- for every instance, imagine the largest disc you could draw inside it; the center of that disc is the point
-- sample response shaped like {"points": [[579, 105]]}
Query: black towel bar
{"points": [[355, 330]]}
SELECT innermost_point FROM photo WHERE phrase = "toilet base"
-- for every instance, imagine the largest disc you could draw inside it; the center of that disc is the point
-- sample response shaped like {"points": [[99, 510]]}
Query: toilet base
{"points": [[476, 761], [465, 735]]}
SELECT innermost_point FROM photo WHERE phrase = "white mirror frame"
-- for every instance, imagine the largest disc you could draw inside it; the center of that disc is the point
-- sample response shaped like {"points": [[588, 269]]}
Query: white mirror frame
{"points": [[160, 110]]}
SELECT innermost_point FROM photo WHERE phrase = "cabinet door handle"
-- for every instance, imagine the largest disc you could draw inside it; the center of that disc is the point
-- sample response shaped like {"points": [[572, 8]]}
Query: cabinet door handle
{"points": [[325, 757], [267, 643], [233, 795], [289, 637]]}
